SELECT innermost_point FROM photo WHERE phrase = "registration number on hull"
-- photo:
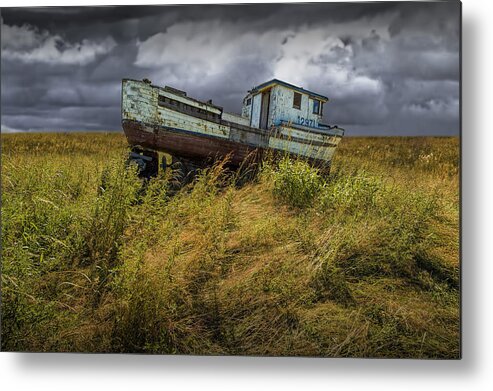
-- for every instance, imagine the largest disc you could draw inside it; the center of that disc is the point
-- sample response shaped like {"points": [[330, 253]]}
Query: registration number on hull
{"points": [[307, 122]]}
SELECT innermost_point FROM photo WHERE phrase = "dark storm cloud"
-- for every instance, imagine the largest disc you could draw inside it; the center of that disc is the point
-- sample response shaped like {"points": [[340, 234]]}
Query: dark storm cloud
{"points": [[388, 67], [63, 18]]}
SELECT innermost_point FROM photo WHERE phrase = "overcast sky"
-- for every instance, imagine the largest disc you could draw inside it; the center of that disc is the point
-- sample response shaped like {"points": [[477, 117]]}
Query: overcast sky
{"points": [[388, 68]]}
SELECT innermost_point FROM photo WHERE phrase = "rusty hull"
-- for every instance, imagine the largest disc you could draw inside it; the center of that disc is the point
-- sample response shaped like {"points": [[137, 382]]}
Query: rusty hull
{"points": [[198, 148], [184, 144]]}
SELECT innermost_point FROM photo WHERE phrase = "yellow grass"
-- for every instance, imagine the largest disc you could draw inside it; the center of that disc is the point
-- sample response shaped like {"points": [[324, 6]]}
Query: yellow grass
{"points": [[362, 263]]}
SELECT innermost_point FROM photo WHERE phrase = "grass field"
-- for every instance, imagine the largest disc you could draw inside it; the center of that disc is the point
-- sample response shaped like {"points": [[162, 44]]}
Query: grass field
{"points": [[362, 263]]}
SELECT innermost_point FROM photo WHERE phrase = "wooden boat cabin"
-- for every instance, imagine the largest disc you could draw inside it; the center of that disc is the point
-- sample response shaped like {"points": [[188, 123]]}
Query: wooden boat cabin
{"points": [[274, 102]]}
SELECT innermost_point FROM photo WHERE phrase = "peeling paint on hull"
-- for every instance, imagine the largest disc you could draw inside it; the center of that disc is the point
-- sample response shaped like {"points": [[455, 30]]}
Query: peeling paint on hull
{"points": [[182, 143]]}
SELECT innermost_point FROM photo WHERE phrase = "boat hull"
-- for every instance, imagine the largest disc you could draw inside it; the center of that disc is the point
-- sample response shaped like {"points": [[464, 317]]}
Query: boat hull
{"points": [[182, 143]]}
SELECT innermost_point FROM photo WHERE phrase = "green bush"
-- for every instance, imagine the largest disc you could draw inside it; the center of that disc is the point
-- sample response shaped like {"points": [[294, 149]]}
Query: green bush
{"points": [[296, 182]]}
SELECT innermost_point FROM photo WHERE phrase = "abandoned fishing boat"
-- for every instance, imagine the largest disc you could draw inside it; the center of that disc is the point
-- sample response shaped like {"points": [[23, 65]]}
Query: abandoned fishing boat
{"points": [[276, 116]]}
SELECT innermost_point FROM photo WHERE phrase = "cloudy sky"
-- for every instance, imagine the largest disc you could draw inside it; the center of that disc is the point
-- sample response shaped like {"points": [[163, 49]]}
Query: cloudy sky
{"points": [[389, 68]]}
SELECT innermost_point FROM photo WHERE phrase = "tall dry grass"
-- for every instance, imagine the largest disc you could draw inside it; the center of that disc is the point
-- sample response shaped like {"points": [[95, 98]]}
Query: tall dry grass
{"points": [[360, 263]]}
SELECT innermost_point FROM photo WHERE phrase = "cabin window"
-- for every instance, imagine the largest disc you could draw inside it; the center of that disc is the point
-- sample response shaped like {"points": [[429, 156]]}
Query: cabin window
{"points": [[316, 106], [249, 101], [297, 100]]}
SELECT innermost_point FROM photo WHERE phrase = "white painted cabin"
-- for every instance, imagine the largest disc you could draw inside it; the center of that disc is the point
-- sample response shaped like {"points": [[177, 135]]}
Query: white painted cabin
{"points": [[276, 101]]}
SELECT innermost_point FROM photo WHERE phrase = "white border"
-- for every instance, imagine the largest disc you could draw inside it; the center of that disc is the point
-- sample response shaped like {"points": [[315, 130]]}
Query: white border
{"points": [[473, 372]]}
